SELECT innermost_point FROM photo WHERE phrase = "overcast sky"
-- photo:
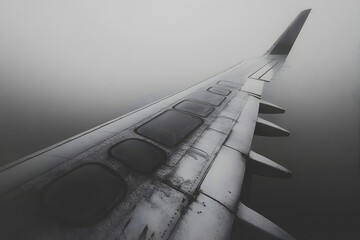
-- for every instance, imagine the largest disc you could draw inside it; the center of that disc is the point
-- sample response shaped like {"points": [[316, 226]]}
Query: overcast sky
{"points": [[67, 66]]}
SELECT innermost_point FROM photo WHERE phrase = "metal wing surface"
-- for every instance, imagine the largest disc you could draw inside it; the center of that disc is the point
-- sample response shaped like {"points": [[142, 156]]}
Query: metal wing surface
{"points": [[173, 169]]}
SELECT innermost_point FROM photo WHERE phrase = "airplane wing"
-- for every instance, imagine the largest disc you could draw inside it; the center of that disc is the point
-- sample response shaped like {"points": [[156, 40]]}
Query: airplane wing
{"points": [[173, 169]]}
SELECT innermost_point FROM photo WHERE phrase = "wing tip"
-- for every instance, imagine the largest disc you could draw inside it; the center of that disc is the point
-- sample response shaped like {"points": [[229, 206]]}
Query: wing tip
{"points": [[286, 41]]}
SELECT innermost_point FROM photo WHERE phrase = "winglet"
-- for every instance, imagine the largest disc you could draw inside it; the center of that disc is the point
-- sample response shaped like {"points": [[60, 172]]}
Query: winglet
{"points": [[261, 223], [285, 42]]}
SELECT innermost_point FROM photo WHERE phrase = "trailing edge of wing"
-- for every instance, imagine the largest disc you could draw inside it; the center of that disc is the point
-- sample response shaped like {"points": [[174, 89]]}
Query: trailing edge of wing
{"points": [[266, 107], [263, 166], [261, 223], [284, 44], [269, 129]]}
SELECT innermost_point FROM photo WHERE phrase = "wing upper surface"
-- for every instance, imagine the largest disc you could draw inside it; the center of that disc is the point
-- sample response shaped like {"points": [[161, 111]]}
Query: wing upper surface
{"points": [[204, 136]]}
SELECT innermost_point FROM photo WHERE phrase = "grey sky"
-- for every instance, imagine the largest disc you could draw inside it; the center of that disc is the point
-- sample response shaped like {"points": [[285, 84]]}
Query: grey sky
{"points": [[67, 66]]}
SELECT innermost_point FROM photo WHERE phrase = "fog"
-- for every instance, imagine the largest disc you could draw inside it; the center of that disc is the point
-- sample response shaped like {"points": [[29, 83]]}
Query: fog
{"points": [[67, 66]]}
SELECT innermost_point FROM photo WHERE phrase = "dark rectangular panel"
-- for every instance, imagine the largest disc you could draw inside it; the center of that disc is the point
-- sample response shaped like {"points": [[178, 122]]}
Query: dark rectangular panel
{"points": [[208, 97], [84, 195], [219, 90], [139, 155], [197, 108], [170, 127]]}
